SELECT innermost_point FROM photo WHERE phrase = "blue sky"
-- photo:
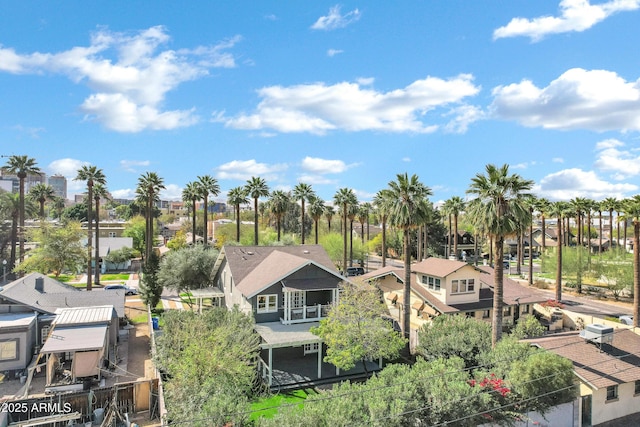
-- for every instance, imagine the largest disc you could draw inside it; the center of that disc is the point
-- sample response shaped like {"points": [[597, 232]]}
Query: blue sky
{"points": [[332, 94]]}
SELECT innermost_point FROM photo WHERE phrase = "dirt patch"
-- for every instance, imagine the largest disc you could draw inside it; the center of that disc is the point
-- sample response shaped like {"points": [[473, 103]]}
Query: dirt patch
{"points": [[139, 362]]}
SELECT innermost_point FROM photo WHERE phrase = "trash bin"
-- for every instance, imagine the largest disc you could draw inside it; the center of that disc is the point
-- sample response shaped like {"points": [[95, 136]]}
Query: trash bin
{"points": [[155, 322]]}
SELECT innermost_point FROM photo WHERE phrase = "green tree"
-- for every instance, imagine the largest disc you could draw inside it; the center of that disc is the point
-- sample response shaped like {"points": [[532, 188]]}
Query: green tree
{"points": [[92, 175], [454, 207], [316, 210], [344, 198], [99, 192], [256, 187], [207, 185], [238, 196], [611, 204], [21, 166], [498, 207], [303, 192], [354, 330], [329, 212], [631, 208], [543, 206], [41, 193], [10, 209], [454, 336], [187, 268], [150, 287], [178, 241], [60, 249], [148, 192], [528, 327], [279, 203], [190, 195], [381, 201], [135, 228], [119, 257], [408, 208]]}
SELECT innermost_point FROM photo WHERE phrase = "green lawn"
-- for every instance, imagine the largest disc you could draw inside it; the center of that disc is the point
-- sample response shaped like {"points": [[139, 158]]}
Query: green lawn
{"points": [[118, 276], [267, 407]]}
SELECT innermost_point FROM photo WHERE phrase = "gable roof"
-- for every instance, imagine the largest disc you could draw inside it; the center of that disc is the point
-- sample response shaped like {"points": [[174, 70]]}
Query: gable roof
{"points": [[439, 267], [616, 364], [513, 292], [255, 268], [55, 295]]}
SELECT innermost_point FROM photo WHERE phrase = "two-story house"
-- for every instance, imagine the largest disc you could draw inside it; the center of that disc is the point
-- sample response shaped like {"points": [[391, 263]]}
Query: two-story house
{"points": [[287, 290]]}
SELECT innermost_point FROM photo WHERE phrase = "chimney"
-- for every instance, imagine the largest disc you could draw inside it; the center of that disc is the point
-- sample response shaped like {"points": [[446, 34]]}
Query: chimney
{"points": [[40, 284]]}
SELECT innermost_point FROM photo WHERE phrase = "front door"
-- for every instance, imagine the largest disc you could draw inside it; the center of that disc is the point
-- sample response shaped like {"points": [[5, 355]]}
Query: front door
{"points": [[586, 411]]}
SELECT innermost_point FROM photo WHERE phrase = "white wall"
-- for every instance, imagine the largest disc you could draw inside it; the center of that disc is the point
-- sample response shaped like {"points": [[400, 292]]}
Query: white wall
{"points": [[627, 403]]}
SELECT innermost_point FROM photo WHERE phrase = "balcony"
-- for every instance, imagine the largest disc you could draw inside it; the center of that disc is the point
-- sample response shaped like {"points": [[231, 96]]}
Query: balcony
{"points": [[300, 307]]}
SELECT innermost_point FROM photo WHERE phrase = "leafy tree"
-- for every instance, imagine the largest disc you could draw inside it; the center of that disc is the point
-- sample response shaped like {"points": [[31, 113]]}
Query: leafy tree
{"points": [[150, 286], [178, 241], [498, 209], [528, 327], [124, 212], [21, 166], [41, 193], [119, 256], [92, 175], [210, 362], [256, 187], [449, 336], [135, 229], [187, 268], [354, 330], [60, 249]]}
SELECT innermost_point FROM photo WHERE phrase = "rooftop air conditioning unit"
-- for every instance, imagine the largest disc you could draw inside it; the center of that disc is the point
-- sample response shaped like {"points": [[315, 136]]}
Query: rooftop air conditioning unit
{"points": [[598, 333]]}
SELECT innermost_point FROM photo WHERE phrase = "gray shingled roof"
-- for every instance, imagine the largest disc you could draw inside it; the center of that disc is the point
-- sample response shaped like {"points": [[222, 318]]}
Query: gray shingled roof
{"points": [[57, 295]]}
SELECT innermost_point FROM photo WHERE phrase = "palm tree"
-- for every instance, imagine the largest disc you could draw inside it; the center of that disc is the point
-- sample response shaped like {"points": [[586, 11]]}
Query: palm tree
{"points": [[454, 206], [190, 194], [58, 205], [92, 175], [237, 196], [344, 197], [363, 215], [531, 203], [631, 208], [542, 206], [408, 208], [499, 208], [611, 204], [207, 185], [329, 211], [149, 186], [279, 203], [256, 187], [10, 207], [599, 207], [303, 192], [382, 202], [21, 166], [41, 193], [351, 214], [316, 210], [99, 192], [559, 210]]}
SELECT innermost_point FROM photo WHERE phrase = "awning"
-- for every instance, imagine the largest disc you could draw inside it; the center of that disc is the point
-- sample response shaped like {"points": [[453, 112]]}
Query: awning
{"points": [[78, 338], [211, 292], [320, 284], [418, 305], [393, 297]]}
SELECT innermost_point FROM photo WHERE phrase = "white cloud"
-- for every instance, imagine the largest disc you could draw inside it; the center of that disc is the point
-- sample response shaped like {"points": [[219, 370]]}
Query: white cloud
{"points": [[324, 166], [318, 108], [129, 75], [335, 19], [596, 100], [134, 165], [245, 169], [171, 192], [364, 196], [334, 52], [612, 157], [313, 179], [570, 183], [126, 193], [575, 15], [557, 160], [406, 159], [66, 167]]}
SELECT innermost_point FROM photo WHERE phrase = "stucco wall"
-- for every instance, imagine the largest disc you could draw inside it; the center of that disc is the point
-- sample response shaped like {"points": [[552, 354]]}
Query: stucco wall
{"points": [[627, 403]]}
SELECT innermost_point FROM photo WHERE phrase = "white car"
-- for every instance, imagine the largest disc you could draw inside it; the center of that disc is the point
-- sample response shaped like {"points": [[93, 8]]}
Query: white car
{"points": [[626, 320]]}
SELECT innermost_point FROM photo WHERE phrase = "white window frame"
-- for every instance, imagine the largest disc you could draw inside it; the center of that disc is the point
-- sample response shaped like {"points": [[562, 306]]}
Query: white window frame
{"points": [[298, 299], [462, 286], [432, 283], [9, 350], [44, 334], [313, 347], [267, 303]]}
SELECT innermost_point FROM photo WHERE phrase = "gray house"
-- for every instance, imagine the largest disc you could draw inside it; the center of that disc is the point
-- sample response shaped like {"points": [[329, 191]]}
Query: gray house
{"points": [[17, 339]]}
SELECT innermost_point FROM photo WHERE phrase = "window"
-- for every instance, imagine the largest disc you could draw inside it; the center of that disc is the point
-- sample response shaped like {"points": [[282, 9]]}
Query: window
{"points": [[525, 308], [432, 283], [44, 333], [506, 311], [311, 348], [267, 303], [486, 314], [9, 350], [462, 286], [612, 392], [637, 389], [297, 299], [112, 234]]}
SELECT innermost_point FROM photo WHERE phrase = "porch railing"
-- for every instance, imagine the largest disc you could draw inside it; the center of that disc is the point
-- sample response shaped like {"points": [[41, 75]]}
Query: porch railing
{"points": [[307, 313]]}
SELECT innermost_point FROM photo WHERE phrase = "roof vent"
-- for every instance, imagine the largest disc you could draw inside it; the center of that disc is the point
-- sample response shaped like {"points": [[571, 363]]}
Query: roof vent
{"points": [[597, 333], [249, 253], [305, 251], [40, 284]]}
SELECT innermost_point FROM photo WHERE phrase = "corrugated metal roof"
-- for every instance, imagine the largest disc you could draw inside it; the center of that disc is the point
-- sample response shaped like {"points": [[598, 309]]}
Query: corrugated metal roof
{"points": [[84, 315]]}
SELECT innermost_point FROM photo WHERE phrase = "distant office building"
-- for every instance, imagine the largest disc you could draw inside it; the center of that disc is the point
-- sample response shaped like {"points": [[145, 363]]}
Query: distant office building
{"points": [[6, 185], [59, 184], [29, 181]]}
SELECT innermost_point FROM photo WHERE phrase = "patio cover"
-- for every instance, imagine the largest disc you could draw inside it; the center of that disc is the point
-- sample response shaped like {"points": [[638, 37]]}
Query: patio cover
{"points": [[319, 284], [276, 335], [79, 338], [212, 292]]}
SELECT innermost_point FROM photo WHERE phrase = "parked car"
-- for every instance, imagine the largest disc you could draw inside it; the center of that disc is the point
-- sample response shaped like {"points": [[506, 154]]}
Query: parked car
{"points": [[127, 290], [506, 265], [355, 271], [626, 320]]}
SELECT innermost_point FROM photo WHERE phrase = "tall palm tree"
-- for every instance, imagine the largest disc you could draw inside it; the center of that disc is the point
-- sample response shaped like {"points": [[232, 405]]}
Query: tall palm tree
{"points": [[58, 205], [579, 205], [329, 212], [237, 196], [303, 192], [148, 190], [631, 208], [454, 206], [190, 194], [382, 202], [256, 187], [316, 210], [92, 175], [559, 210], [10, 208], [207, 185], [531, 203], [351, 214], [543, 206], [611, 204], [363, 216], [408, 208], [499, 208], [344, 197], [599, 207], [279, 203], [99, 192], [41, 193], [21, 166]]}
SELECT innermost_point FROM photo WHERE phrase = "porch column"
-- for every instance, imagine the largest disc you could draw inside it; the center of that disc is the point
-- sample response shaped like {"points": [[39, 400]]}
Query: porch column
{"points": [[270, 366], [319, 360], [380, 363], [287, 314]]}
